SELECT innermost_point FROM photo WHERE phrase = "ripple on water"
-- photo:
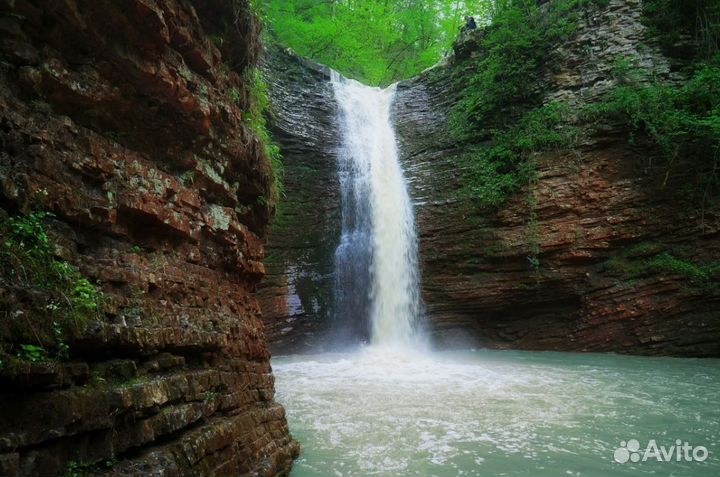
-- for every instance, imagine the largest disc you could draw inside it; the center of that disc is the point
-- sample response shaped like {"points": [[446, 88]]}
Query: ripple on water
{"points": [[379, 412]]}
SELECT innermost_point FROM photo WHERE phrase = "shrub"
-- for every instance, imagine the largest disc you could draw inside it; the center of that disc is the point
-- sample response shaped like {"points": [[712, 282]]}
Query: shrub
{"points": [[210, 397], [683, 122], [670, 20], [32, 353], [653, 257], [27, 261], [494, 171], [499, 94], [514, 49], [671, 265], [84, 469], [257, 119]]}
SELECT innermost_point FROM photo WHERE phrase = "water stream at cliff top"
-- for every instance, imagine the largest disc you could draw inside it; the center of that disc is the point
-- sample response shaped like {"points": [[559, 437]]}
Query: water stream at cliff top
{"points": [[393, 408]]}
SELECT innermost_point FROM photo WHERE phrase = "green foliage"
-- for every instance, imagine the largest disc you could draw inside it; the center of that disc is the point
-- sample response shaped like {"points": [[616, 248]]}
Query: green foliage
{"points": [[96, 379], [135, 249], [235, 95], [652, 257], [187, 178], [671, 265], [534, 261], [624, 70], [257, 119], [683, 122], [375, 41], [27, 260], [31, 353], [496, 93], [217, 40], [84, 469], [514, 48], [210, 397], [85, 297], [380, 42], [128, 383], [644, 249], [494, 171], [26, 247], [63, 350]]}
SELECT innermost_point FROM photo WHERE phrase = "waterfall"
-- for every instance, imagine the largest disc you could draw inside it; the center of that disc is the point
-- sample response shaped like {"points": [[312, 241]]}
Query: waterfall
{"points": [[376, 265]]}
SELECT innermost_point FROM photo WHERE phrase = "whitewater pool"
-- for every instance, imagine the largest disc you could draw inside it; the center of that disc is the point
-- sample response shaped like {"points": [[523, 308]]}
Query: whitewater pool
{"points": [[378, 412]]}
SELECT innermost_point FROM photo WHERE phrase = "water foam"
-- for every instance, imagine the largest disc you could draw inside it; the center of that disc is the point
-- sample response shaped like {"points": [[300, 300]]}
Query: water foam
{"points": [[384, 412]]}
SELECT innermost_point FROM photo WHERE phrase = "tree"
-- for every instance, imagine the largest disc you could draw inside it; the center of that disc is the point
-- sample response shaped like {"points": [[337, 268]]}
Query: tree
{"points": [[375, 41]]}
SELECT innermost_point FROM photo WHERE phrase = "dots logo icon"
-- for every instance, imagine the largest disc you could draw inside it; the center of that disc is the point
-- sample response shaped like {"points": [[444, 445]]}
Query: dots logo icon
{"points": [[628, 451]]}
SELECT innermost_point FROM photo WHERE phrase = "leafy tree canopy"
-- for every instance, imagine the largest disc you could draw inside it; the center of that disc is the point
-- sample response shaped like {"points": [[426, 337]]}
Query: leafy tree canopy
{"points": [[375, 41]]}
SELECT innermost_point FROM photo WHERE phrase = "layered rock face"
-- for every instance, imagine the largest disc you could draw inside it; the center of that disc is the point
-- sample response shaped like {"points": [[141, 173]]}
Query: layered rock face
{"points": [[127, 120], [296, 296], [589, 206]]}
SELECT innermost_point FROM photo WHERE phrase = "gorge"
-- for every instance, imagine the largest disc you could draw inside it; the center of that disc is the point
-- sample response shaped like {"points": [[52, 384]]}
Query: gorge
{"points": [[595, 209], [456, 274], [391, 406]]}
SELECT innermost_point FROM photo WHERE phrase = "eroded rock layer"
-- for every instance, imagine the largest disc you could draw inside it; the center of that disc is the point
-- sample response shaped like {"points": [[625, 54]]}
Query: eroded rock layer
{"points": [[296, 296], [590, 206], [127, 120]]}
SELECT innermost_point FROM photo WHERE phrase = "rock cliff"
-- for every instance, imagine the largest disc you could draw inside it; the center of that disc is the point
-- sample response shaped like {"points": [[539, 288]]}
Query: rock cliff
{"points": [[592, 208], [127, 121], [296, 296]]}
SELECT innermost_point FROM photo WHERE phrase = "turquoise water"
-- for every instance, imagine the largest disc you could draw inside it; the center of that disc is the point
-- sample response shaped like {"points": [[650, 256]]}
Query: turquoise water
{"points": [[376, 412]]}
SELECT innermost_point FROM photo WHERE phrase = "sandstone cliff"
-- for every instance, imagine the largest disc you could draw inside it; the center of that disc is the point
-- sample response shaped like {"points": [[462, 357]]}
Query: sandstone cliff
{"points": [[128, 120], [591, 207]]}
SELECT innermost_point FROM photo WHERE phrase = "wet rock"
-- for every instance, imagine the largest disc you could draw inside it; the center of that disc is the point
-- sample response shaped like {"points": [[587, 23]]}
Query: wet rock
{"points": [[296, 296]]}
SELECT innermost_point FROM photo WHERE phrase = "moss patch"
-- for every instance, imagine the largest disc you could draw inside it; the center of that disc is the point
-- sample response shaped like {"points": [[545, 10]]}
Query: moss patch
{"points": [[655, 258]]}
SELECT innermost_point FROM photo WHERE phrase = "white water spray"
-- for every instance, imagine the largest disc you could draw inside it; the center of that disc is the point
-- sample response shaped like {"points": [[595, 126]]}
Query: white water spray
{"points": [[374, 193]]}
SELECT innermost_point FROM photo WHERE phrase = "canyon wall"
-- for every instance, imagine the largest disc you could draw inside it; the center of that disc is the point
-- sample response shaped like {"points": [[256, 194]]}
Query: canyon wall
{"points": [[128, 122], [296, 296], [591, 208]]}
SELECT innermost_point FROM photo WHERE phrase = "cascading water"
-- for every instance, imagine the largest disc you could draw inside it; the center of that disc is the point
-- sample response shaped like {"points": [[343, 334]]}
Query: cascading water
{"points": [[376, 262]]}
